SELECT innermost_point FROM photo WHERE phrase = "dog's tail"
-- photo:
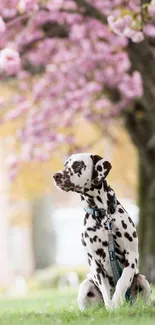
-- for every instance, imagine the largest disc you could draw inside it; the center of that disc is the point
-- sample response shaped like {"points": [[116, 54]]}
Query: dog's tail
{"points": [[141, 286]]}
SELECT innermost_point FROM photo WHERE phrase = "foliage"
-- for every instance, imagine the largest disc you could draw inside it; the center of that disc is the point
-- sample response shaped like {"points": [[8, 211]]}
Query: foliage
{"points": [[83, 66], [52, 277]]}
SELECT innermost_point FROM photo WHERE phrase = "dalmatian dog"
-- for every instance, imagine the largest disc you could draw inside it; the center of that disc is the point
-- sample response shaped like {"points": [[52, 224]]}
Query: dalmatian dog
{"points": [[86, 174]]}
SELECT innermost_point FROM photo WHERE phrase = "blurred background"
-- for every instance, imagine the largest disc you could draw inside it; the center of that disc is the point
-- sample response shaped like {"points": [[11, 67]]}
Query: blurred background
{"points": [[68, 84], [41, 225]]}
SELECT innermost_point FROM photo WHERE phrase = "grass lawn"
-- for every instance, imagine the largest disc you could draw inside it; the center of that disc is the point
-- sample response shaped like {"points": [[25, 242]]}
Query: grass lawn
{"points": [[60, 307]]}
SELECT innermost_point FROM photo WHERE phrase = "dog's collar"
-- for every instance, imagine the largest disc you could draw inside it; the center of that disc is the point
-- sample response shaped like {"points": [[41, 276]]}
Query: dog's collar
{"points": [[96, 212]]}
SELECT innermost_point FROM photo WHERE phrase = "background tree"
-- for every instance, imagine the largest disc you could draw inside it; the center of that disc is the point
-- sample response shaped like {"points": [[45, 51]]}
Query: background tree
{"points": [[67, 57]]}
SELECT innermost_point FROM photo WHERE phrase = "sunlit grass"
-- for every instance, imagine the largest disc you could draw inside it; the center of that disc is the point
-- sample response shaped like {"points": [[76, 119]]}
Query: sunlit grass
{"points": [[60, 307]]}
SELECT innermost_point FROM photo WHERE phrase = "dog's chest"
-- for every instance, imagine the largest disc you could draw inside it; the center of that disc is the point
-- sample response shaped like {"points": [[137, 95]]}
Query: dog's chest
{"points": [[95, 238], [94, 233]]}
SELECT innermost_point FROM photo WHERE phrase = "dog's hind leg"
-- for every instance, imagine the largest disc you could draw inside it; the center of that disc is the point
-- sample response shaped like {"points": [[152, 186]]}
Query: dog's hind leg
{"points": [[89, 295], [140, 286]]}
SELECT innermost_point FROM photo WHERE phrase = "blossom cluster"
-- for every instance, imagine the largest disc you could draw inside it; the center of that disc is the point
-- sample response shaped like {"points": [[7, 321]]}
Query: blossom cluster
{"points": [[70, 62]]}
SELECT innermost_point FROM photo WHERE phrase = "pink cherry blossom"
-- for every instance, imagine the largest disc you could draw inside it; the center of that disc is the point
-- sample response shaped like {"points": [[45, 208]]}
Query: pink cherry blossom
{"points": [[9, 61], [25, 5], [138, 37], [68, 64], [123, 27], [2, 25]]}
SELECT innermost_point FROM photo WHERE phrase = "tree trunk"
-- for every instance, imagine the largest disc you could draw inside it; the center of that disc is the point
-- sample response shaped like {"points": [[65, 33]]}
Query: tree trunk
{"points": [[146, 227], [140, 122], [141, 135]]}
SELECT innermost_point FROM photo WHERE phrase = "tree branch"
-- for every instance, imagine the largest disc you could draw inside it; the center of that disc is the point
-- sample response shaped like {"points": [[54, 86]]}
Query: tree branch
{"points": [[50, 29], [142, 60], [138, 124], [143, 2], [91, 11]]}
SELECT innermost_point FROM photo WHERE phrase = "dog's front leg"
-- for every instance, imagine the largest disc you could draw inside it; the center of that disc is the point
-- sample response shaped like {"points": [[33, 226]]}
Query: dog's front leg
{"points": [[103, 283], [105, 291], [124, 282]]}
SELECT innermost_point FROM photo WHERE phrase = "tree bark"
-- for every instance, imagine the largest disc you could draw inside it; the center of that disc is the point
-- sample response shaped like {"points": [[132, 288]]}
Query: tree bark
{"points": [[147, 222], [146, 194], [140, 122]]}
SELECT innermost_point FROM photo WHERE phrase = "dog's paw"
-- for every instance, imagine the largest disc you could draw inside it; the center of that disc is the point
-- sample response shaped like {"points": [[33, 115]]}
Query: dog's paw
{"points": [[116, 302], [109, 306]]}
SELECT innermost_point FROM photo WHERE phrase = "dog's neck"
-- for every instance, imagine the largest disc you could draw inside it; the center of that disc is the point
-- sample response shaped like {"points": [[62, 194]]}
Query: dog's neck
{"points": [[98, 196]]}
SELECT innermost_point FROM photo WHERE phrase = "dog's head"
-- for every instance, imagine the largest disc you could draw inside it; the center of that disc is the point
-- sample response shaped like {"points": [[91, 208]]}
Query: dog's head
{"points": [[81, 172]]}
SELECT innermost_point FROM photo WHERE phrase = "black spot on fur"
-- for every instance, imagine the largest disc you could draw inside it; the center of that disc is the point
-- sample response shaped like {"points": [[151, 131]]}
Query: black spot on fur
{"points": [[100, 252], [99, 199], [86, 234], [91, 202], [99, 270], [120, 210], [111, 281], [127, 263], [126, 235], [118, 234], [134, 234], [77, 167], [98, 186], [116, 244], [136, 260], [86, 218], [105, 243], [99, 168], [91, 229], [107, 167], [132, 265], [117, 250], [120, 259], [107, 188], [124, 224], [90, 256], [98, 264], [95, 239], [82, 240], [99, 278], [109, 196], [95, 158], [90, 294], [130, 220]]}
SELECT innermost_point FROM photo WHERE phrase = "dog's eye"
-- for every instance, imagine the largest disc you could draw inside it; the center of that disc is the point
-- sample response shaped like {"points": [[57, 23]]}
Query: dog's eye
{"points": [[77, 165]]}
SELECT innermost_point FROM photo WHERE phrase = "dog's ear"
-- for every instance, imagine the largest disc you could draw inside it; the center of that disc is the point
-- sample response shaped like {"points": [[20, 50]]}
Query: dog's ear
{"points": [[101, 169]]}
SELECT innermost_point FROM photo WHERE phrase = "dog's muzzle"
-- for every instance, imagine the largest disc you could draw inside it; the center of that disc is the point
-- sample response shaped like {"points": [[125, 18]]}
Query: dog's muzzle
{"points": [[58, 178]]}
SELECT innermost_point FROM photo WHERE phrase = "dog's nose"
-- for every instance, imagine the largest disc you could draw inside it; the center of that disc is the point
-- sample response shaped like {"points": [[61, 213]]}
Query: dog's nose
{"points": [[57, 176]]}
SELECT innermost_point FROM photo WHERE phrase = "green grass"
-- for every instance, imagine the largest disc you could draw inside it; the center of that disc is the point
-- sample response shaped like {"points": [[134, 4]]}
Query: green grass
{"points": [[60, 307]]}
